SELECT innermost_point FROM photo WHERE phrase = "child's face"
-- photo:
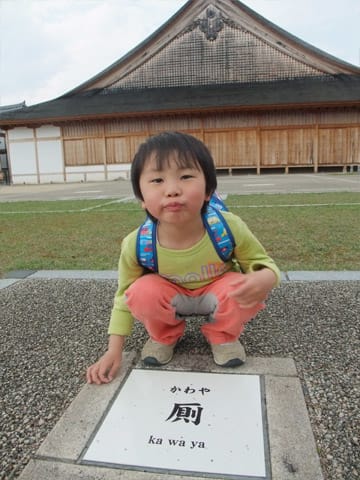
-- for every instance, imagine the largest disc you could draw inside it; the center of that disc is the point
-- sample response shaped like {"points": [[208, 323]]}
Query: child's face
{"points": [[172, 194]]}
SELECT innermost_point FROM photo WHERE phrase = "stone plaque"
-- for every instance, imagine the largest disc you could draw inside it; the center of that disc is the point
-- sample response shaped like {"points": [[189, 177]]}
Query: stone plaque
{"points": [[190, 422]]}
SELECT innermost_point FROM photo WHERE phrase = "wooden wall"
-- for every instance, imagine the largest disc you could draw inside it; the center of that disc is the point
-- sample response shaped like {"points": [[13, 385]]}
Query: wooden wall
{"points": [[254, 141]]}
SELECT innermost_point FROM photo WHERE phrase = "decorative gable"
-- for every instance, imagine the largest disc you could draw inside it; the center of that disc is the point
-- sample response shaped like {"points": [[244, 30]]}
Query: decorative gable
{"points": [[216, 42], [214, 49]]}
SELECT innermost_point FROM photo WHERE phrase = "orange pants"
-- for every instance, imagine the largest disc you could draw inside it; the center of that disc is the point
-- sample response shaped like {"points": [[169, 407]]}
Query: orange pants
{"points": [[162, 307]]}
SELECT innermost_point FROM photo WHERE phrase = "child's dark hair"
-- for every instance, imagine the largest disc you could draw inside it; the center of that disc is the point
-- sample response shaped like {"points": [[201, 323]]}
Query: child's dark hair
{"points": [[190, 152]]}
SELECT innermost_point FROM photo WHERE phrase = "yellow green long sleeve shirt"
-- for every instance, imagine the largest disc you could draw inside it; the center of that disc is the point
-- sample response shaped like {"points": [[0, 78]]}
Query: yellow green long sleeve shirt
{"points": [[191, 268]]}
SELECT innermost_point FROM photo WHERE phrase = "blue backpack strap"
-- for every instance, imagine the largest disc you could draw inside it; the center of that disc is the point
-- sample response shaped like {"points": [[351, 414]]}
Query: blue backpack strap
{"points": [[146, 245], [219, 232], [217, 202], [214, 222]]}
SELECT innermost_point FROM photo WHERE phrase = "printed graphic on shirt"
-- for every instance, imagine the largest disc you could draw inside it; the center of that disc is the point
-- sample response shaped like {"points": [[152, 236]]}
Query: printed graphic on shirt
{"points": [[207, 272]]}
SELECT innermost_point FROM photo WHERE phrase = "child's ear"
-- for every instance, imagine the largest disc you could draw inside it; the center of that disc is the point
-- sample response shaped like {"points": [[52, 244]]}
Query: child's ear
{"points": [[208, 196], [143, 205]]}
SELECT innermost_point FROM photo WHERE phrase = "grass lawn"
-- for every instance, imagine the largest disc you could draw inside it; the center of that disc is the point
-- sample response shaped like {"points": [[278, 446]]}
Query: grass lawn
{"points": [[300, 231]]}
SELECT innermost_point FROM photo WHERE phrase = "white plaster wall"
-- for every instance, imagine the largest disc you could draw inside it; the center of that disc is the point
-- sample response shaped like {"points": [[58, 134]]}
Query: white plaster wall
{"points": [[22, 156], [83, 173], [119, 171], [52, 178], [47, 131], [23, 159], [50, 156], [92, 173], [50, 161], [20, 133]]}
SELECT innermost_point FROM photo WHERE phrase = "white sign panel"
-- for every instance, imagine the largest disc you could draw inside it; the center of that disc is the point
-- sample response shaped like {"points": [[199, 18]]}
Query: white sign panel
{"points": [[190, 422]]}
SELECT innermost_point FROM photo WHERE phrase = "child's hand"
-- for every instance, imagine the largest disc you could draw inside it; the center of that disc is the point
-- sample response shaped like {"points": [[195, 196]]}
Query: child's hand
{"points": [[253, 288], [104, 370]]}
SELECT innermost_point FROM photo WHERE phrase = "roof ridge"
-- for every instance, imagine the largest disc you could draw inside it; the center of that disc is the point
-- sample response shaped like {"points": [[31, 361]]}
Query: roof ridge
{"points": [[250, 35]]}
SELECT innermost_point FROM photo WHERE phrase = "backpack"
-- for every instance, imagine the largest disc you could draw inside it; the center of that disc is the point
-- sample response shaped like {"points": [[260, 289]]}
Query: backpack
{"points": [[214, 222]]}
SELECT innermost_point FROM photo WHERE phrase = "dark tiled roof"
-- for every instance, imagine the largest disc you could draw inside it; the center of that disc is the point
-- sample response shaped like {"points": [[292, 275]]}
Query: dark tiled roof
{"points": [[8, 108], [338, 90]]}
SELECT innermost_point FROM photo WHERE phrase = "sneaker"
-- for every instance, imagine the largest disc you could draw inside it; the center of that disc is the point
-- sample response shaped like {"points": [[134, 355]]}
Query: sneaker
{"points": [[228, 354], [156, 354]]}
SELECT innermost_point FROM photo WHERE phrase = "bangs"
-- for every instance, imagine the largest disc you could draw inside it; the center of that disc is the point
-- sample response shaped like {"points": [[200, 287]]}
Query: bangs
{"points": [[183, 159]]}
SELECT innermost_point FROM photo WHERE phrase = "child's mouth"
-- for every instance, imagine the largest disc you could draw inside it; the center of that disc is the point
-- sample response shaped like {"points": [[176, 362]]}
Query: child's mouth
{"points": [[173, 207]]}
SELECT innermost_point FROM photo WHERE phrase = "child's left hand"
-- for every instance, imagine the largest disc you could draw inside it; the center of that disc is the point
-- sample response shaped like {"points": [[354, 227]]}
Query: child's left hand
{"points": [[253, 288]]}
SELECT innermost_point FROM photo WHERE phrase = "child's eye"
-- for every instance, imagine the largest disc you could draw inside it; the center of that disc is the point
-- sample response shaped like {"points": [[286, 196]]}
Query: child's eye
{"points": [[187, 176], [156, 180]]}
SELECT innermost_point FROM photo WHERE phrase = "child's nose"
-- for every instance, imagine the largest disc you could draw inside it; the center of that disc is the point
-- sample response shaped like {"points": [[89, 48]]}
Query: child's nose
{"points": [[172, 189]]}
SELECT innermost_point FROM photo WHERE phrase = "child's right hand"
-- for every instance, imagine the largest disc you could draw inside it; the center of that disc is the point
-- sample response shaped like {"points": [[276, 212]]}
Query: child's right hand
{"points": [[104, 370]]}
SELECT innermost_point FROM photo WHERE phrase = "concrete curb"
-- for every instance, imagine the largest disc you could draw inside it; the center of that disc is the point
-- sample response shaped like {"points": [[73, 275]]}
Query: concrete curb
{"points": [[291, 276]]}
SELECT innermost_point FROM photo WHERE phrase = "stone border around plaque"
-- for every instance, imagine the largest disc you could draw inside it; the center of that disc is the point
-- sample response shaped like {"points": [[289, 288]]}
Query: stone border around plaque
{"points": [[292, 448], [181, 422]]}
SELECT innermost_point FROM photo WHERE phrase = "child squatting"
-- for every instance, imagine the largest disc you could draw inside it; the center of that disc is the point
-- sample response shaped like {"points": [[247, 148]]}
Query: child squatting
{"points": [[190, 257]]}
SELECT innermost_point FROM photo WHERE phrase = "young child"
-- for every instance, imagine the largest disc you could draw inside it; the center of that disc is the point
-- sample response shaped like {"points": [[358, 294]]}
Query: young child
{"points": [[174, 177]]}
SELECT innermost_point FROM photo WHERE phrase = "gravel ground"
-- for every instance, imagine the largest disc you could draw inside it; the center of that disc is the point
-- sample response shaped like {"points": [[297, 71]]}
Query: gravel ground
{"points": [[52, 329]]}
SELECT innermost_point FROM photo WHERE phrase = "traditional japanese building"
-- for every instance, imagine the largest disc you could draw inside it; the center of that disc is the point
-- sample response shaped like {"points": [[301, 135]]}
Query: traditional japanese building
{"points": [[4, 164], [260, 98]]}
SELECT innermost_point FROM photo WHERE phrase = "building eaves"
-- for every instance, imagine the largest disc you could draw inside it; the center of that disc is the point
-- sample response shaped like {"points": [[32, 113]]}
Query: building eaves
{"points": [[312, 92], [15, 106]]}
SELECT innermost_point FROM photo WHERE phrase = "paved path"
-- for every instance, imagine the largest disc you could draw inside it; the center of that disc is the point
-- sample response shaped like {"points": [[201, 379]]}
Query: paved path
{"points": [[240, 184]]}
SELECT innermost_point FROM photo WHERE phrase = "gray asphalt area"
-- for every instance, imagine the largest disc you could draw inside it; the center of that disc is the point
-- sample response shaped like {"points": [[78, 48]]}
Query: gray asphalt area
{"points": [[236, 184], [51, 330]]}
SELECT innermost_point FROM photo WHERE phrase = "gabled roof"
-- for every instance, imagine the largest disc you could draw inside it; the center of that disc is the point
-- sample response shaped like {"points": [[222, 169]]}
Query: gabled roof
{"points": [[215, 42], [211, 55]]}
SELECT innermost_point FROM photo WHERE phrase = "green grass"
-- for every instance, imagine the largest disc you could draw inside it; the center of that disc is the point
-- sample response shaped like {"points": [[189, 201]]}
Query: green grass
{"points": [[300, 231]]}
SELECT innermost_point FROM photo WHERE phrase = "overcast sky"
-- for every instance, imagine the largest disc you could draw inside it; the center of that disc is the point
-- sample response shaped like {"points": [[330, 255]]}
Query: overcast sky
{"points": [[48, 47]]}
